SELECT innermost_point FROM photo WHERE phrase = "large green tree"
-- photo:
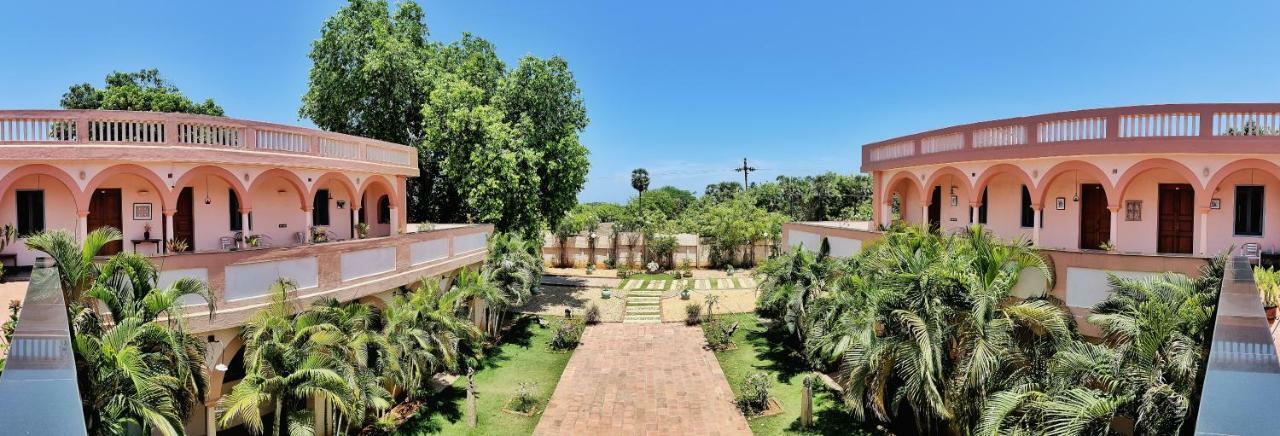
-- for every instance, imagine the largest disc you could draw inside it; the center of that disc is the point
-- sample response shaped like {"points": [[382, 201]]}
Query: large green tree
{"points": [[495, 145], [144, 90]]}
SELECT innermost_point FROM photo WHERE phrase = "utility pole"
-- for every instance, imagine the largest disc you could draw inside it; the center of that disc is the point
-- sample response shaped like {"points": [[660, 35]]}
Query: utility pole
{"points": [[745, 170]]}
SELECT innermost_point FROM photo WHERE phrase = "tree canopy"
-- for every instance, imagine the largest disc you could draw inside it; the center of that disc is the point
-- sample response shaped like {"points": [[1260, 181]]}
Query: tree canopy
{"points": [[496, 145], [144, 90]]}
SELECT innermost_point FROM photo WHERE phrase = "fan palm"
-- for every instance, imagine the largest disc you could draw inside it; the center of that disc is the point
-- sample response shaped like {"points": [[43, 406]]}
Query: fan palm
{"points": [[513, 267], [475, 287], [288, 359]]}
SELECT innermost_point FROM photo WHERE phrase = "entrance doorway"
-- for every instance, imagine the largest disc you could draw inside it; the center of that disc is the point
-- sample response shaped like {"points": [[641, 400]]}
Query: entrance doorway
{"points": [[106, 210], [184, 223], [1095, 218], [935, 209], [1176, 225]]}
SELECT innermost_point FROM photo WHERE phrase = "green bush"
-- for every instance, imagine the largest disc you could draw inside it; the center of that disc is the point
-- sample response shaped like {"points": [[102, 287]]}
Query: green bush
{"points": [[753, 398], [718, 336], [693, 313], [567, 335], [525, 400], [593, 314]]}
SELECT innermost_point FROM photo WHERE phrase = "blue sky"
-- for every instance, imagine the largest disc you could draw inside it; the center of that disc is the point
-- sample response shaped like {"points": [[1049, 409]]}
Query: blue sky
{"points": [[689, 88]]}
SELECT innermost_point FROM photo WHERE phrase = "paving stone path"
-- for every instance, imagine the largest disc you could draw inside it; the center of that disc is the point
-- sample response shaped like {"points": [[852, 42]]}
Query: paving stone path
{"points": [[647, 379], [644, 306]]}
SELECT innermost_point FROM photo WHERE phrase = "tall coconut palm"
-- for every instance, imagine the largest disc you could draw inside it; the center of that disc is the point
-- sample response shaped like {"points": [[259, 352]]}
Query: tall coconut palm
{"points": [[75, 260], [136, 370], [288, 360]]}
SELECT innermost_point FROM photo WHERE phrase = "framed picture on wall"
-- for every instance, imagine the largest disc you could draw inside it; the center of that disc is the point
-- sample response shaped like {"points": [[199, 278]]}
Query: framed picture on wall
{"points": [[1060, 203], [142, 211], [1215, 203]]}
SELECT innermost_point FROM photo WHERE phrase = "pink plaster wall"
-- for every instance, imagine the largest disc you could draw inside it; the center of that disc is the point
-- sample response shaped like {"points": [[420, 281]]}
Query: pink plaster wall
{"points": [[370, 211], [1141, 236], [1222, 221], [960, 212], [60, 212], [132, 189], [1062, 227], [212, 221], [1004, 194], [272, 208]]}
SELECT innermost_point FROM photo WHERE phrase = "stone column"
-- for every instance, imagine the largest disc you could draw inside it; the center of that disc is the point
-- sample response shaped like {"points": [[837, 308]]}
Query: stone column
{"points": [[82, 225], [355, 221], [211, 420], [244, 221], [886, 215], [924, 215], [395, 221], [306, 231], [168, 225], [1035, 224], [973, 212], [1115, 227], [1204, 231]]}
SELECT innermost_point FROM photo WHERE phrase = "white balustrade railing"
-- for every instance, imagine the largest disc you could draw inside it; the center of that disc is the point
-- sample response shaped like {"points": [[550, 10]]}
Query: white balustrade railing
{"points": [[387, 155], [37, 130], [893, 151], [138, 132], [1246, 123], [339, 149], [209, 134], [1000, 136], [1072, 130], [941, 143], [282, 141], [1159, 125]]}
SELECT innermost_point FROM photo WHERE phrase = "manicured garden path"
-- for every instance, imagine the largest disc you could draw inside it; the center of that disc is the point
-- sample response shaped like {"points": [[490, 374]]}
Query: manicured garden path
{"points": [[642, 379]]}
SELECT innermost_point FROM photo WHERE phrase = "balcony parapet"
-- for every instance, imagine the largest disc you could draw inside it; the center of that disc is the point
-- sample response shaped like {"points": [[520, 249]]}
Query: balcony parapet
{"points": [[182, 133], [1171, 128], [346, 270]]}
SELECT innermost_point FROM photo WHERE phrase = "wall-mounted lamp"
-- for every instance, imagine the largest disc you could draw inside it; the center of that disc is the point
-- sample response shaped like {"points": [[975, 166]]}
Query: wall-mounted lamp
{"points": [[341, 204], [143, 191], [221, 367], [280, 191]]}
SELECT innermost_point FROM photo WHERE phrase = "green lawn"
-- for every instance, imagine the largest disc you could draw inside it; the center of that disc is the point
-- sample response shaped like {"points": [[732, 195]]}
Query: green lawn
{"points": [[523, 357], [762, 350]]}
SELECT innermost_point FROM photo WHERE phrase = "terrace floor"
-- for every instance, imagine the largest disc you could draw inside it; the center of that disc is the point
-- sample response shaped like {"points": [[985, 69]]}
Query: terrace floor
{"points": [[642, 379]]}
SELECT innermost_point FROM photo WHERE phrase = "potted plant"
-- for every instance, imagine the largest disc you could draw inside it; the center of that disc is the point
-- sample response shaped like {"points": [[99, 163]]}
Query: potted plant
{"points": [[684, 293], [591, 268], [177, 246], [362, 230], [729, 270], [253, 240], [319, 235], [1268, 281], [146, 231], [7, 234], [605, 293]]}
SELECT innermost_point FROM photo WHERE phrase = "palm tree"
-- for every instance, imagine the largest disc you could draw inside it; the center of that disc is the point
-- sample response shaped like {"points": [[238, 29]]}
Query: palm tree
{"points": [[640, 182], [512, 267], [75, 261], [477, 287], [361, 340], [135, 370], [790, 281], [425, 334], [288, 360]]}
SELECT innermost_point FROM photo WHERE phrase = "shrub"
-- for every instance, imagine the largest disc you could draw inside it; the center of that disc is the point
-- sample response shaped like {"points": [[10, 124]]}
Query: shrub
{"points": [[718, 336], [567, 335], [753, 398], [524, 401], [593, 314], [693, 313], [610, 263], [624, 271], [1268, 281]]}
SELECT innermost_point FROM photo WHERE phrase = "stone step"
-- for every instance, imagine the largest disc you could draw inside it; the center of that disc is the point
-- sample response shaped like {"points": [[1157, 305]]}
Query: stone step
{"points": [[644, 294], [642, 321], [643, 310], [642, 318], [634, 300]]}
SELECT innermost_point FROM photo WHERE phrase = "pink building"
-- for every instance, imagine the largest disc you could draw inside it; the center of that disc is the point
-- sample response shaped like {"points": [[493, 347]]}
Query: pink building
{"points": [[253, 202], [1130, 190]]}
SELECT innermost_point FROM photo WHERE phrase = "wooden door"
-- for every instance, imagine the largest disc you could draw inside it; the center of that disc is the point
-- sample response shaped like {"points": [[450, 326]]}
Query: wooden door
{"points": [[935, 208], [106, 210], [184, 222], [1176, 224], [1095, 218]]}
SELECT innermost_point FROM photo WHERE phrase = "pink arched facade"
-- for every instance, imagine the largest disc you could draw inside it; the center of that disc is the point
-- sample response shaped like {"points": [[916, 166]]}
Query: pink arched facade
{"points": [[1170, 179]]}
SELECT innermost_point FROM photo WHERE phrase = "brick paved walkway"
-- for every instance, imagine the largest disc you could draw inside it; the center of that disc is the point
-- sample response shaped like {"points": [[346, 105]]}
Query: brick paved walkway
{"points": [[642, 379]]}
